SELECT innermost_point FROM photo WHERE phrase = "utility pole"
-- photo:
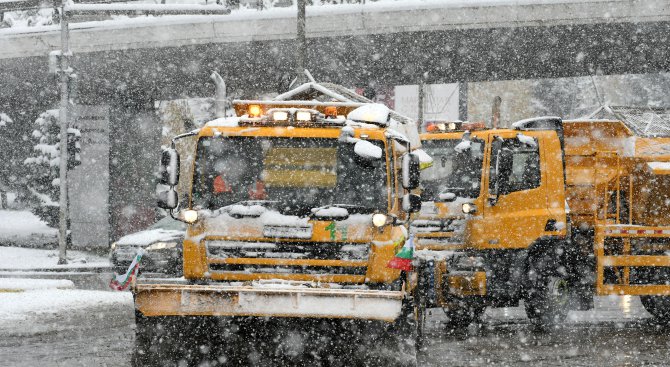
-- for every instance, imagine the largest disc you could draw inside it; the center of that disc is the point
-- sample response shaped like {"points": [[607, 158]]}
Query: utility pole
{"points": [[422, 97], [495, 113], [301, 54], [64, 113]]}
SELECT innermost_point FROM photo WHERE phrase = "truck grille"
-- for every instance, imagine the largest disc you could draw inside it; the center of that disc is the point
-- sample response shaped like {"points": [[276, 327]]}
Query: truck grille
{"points": [[283, 258]]}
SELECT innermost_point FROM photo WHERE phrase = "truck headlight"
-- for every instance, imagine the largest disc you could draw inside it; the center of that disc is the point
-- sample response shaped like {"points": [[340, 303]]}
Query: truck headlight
{"points": [[303, 116], [161, 246], [469, 208], [379, 220], [190, 216], [280, 116], [113, 246]]}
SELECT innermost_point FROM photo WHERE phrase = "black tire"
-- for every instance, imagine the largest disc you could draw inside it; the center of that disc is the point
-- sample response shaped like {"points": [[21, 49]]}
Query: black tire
{"points": [[462, 312], [658, 307], [547, 294], [144, 354], [407, 333], [166, 341]]}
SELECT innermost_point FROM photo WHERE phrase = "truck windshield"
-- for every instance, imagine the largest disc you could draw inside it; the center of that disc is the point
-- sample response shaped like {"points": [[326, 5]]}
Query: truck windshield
{"points": [[296, 174], [452, 172]]}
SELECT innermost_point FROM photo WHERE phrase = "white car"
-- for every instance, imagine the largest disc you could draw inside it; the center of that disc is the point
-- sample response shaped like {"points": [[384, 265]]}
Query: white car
{"points": [[162, 243]]}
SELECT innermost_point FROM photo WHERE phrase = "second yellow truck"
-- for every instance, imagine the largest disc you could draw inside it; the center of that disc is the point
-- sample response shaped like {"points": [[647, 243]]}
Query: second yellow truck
{"points": [[548, 212]]}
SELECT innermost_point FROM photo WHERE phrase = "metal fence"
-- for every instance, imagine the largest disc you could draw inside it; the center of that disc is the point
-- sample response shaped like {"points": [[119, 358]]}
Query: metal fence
{"points": [[16, 5], [644, 121]]}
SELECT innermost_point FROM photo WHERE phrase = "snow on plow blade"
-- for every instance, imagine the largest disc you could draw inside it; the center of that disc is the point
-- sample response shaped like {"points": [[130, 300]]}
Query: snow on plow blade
{"points": [[227, 300]]}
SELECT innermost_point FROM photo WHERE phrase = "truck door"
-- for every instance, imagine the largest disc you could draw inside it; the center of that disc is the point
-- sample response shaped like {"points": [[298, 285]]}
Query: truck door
{"points": [[516, 213]]}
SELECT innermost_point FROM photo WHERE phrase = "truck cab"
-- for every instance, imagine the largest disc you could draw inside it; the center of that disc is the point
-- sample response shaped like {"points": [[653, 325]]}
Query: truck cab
{"points": [[560, 212], [295, 210], [495, 201]]}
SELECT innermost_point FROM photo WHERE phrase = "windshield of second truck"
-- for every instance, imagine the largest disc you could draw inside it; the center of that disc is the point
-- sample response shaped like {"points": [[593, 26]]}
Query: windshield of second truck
{"points": [[295, 174], [453, 172]]}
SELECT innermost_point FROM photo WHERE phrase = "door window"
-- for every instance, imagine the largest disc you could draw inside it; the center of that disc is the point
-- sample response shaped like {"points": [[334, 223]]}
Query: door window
{"points": [[515, 166]]}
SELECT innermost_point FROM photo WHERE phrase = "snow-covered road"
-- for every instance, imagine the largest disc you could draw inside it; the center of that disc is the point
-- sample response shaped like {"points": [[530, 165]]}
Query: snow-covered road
{"points": [[66, 328], [94, 329]]}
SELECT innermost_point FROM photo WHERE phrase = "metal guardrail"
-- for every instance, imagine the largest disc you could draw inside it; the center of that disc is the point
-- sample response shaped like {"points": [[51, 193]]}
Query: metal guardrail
{"points": [[14, 5]]}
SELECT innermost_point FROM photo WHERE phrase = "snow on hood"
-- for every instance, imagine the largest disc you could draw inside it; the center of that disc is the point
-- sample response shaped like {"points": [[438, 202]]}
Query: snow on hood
{"points": [[145, 238], [330, 212], [221, 223]]}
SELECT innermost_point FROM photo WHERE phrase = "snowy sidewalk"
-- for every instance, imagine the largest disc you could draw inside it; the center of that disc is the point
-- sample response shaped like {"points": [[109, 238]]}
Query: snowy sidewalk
{"points": [[12, 285], [83, 271], [30, 259], [31, 305]]}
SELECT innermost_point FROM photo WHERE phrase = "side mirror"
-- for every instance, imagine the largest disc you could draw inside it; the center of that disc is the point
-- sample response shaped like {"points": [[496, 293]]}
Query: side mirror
{"points": [[411, 203], [367, 150], [169, 169], [410, 171], [168, 199]]}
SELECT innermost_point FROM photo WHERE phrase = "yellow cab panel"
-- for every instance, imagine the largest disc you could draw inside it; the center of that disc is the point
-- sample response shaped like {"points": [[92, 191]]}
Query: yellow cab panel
{"points": [[527, 204]]}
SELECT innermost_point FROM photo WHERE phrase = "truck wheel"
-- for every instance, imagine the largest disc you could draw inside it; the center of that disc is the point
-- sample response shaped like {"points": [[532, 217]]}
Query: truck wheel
{"points": [[462, 312], [162, 341], [547, 297], [144, 354], [657, 306], [407, 333]]}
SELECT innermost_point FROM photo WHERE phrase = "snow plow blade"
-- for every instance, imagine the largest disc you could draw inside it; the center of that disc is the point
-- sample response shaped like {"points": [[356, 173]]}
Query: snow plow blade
{"points": [[251, 301]]}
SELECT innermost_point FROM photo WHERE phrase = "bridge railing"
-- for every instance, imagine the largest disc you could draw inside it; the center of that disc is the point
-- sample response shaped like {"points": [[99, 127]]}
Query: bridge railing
{"points": [[16, 5]]}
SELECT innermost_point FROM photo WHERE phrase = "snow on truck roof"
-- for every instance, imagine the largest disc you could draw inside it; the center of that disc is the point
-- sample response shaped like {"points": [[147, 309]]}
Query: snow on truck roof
{"points": [[317, 94]]}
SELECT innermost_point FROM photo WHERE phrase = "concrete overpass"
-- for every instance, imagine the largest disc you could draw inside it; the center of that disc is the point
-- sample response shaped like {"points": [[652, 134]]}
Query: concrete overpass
{"points": [[331, 22], [377, 43]]}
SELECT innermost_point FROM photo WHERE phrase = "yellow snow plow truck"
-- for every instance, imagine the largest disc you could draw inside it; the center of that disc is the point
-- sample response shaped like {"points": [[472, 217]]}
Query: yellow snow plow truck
{"points": [[550, 212], [295, 209]]}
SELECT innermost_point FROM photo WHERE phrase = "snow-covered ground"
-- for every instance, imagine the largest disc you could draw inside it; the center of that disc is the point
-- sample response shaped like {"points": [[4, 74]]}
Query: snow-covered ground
{"points": [[31, 304], [23, 299], [16, 258], [21, 284], [21, 227]]}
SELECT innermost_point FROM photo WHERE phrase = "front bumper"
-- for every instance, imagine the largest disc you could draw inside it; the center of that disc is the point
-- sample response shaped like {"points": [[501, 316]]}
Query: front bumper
{"points": [[156, 299]]}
